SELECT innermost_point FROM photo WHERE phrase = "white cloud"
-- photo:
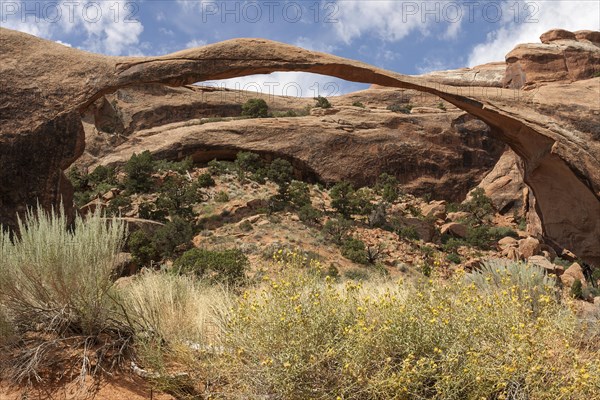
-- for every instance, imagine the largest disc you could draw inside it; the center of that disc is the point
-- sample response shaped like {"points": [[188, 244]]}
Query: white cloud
{"points": [[107, 27], [195, 43], [565, 14], [392, 20], [295, 84], [314, 45]]}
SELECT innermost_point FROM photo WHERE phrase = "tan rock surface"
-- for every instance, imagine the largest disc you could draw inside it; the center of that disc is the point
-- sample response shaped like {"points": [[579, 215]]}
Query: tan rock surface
{"points": [[560, 57], [46, 86]]}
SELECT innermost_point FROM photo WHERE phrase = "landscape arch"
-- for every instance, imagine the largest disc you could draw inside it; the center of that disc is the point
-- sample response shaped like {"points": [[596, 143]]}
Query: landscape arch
{"points": [[46, 87]]}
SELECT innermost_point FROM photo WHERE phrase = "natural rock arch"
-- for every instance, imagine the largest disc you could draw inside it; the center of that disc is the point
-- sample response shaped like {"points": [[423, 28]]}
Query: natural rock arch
{"points": [[46, 86]]}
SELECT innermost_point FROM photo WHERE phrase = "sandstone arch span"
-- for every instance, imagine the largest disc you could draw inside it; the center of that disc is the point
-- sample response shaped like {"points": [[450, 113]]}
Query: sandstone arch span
{"points": [[45, 87]]}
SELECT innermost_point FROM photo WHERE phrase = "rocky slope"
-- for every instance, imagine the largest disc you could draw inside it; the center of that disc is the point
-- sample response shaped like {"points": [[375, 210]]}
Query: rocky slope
{"points": [[46, 88]]}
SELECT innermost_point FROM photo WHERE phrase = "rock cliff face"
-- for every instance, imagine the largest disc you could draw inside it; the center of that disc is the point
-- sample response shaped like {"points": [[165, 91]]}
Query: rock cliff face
{"points": [[562, 56], [442, 152], [47, 86]]}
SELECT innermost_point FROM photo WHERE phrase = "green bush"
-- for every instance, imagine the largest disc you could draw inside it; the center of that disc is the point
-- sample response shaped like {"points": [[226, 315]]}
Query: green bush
{"points": [[247, 163], [246, 226], [577, 290], [104, 175], [181, 167], [281, 173], [178, 196], [479, 237], [337, 229], [362, 201], [299, 194], [499, 232], [222, 197], [400, 108], [322, 102], [453, 258], [139, 171], [142, 249], [216, 167], [358, 104], [309, 215], [255, 108], [479, 205], [408, 232], [355, 250], [227, 266], [205, 180], [342, 196], [162, 244]]}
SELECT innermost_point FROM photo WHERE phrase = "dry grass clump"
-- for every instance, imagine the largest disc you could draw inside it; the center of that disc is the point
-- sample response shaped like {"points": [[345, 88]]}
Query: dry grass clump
{"points": [[56, 286], [301, 337]]}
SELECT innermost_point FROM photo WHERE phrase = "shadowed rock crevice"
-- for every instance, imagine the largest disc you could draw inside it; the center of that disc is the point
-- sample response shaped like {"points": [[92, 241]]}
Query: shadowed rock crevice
{"points": [[40, 122]]}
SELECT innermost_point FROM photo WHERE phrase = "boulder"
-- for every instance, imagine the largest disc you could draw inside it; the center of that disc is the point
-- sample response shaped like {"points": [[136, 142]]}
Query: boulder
{"points": [[454, 229], [529, 247], [507, 241], [557, 34], [457, 216], [571, 274], [542, 262], [435, 209], [425, 230]]}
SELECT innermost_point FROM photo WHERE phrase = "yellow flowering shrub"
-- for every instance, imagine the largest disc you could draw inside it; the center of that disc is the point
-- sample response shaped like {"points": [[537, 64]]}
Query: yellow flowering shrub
{"points": [[301, 337]]}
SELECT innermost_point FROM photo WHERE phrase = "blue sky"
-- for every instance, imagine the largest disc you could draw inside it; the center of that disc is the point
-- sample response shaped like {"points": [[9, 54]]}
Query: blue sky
{"points": [[410, 37]]}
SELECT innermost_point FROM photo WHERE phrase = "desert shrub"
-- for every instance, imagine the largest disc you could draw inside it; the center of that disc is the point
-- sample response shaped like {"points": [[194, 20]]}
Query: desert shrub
{"points": [[408, 232], [175, 233], [495, 273], [163, 243], [562, 262], [141, 248], [309, 215], [322, 102], [378, 216], [595, 276], [383, 341], [453, 258], [452, 244], [479, 236], [387, 187], [178, 196], [357, 274], [355, 250], [281, 173], [205, 180], [299, 194], [167, 306], [222, 197], [441, 106], [337, 229], [358, 104], [57, 279], [247, 163], [181, 167], [118, 205], [101, 175], [499, 232], [479, 205], [139, 171], [255, 108], [216, 167], [342, 196], [246, 226], [227, 266], [577, 290], [362, 201], [400, 108]]}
